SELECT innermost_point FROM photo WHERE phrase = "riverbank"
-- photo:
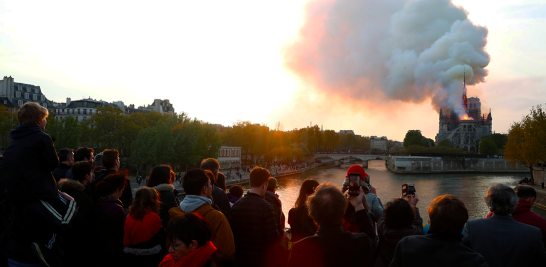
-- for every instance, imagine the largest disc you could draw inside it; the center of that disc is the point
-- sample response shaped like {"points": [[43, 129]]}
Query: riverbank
{"points": [[423, 165]]}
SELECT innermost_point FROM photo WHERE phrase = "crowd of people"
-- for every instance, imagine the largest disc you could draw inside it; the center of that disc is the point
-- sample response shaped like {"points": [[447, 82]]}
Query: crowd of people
{"points": [[75, 208]]}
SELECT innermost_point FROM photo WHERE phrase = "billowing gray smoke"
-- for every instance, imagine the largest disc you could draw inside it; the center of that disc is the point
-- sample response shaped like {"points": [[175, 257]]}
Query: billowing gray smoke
{"points": [[409, 51]]}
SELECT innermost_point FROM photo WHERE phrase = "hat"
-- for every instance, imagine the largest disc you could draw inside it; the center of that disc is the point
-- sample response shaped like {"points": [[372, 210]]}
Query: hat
{"points": [[359, 169]]}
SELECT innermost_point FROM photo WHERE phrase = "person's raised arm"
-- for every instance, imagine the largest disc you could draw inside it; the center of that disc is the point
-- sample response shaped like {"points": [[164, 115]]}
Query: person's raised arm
{"points": [[362, 218]]}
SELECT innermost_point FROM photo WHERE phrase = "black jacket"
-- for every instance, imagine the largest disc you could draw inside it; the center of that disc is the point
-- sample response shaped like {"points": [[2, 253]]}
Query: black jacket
{"points": [[331, 246], [80, 238], [503, 241], [60, 172], [127, 195], [432, 250], [301, 224], [110, 218], [254, 229], [389, 238], [168, 193], [277, 206], [25, 171], [220, 199]]}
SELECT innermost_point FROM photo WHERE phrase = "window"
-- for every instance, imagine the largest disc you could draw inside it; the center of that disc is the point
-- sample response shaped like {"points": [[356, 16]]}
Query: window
{"points": [[78, 111], [85, 104], [37, 90], [20, 102], [5, 102], [34, 97], [42, 98], [26, 96], [18, 94], [28, 89], [84, 111], [84, 118]]}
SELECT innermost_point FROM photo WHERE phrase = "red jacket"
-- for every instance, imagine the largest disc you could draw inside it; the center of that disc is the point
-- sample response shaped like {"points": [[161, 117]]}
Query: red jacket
{"points": [[523, 214], [141, 231]]}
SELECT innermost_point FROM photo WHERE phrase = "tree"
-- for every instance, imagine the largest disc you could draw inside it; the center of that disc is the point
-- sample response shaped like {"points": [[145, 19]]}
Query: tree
{"points": [[413, 137], [526, 142], [8, 122], [488, 147], [66, 131], [446, 143]]}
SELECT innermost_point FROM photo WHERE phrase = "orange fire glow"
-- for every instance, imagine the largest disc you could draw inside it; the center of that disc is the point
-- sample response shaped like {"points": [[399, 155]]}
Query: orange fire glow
{"points": [[466, 118]]}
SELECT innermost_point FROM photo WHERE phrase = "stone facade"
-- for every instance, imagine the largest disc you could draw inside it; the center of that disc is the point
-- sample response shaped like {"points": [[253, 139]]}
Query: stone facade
{"points": [[465, 129], [161, 106], [229, 156], [409, 164], [13, 95], [378, 143]]}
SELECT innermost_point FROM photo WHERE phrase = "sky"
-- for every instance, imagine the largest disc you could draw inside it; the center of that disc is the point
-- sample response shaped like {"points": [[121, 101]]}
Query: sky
{"points": [[223, 61]]}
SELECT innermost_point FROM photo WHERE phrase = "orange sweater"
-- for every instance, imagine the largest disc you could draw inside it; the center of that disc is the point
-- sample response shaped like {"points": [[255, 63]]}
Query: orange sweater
{"points": [[140, 231]]}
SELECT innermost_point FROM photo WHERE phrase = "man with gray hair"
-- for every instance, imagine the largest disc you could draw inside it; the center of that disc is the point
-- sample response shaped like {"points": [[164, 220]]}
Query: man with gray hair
{"points": [[501, 240]]}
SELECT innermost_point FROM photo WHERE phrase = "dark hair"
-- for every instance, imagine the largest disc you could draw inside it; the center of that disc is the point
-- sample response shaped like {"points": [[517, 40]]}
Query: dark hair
{"points": [[236, 191], [189, 227], [307, 188], [82, 153], [221, 181], [161, 174], [448, 215], [211, 165], [525, 192], [398, 214], [327, 205], [501, 199], [109, 157], [65, 153], [194, 180], [271, 184], [259, 176], [146, 198], [81, 169], [110, 184]]}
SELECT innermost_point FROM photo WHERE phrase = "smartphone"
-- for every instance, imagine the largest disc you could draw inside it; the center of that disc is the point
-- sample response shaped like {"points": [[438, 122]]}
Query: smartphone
{"points": [[354, 184], [408, 189]]}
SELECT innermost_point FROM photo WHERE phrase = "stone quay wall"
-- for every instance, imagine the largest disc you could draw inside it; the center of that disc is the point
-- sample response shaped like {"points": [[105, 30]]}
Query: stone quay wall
{"points": [[413, 164]]}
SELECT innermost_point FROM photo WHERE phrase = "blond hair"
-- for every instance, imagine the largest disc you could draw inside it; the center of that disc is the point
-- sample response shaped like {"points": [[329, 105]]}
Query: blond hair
{"points": [[31, 112]]}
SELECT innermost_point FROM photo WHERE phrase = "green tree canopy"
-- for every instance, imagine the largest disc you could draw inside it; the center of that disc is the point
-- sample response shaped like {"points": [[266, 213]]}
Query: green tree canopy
{"points": [[8, 122], [413, 137], [446, 143], [488, 147]]}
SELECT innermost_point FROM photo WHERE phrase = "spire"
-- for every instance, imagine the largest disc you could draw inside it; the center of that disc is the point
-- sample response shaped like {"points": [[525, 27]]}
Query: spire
{"points": [[465, 104]]}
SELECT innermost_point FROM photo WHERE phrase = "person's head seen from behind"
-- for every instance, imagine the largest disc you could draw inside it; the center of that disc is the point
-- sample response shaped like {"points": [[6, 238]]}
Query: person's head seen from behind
{"points": [[196, 182], [111, 186], [146, 199], [448, 215], [259, 178], [161, 174], [83, 172], [33, 113]]}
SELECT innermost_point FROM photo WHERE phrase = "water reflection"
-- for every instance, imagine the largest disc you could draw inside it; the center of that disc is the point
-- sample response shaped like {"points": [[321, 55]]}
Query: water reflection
{"points": [[471, 188]]}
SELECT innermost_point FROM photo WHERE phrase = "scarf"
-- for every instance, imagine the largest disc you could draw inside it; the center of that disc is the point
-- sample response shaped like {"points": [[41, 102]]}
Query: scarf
{"points": [[197, 258], [193, 202]]}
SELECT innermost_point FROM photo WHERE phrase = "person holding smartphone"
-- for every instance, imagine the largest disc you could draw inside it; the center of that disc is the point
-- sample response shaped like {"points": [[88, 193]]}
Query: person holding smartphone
{"points": [[360, 178], [331, 246]]}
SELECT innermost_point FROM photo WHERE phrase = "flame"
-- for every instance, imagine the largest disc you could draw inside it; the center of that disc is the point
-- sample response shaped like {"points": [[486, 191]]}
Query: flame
{"points": [[466, 117]]}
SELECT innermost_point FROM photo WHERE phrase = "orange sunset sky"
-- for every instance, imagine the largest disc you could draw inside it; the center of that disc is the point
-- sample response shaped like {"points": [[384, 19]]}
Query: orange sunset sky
{"points": [[223, 61]]}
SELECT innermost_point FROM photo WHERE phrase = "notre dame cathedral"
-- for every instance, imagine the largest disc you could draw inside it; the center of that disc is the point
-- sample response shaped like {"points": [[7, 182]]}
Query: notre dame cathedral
{"points": [[464, 129]]}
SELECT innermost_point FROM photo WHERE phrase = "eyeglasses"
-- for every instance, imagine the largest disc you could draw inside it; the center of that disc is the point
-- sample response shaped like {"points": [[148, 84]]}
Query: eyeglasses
{"points": [[175, 246]]}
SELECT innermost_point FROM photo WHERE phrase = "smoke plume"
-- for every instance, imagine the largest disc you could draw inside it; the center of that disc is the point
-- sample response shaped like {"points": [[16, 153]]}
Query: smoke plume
{"points": [[391, 49]]}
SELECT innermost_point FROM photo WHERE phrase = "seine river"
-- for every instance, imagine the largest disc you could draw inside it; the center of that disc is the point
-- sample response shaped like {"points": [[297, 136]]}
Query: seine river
{"points": [[471, 188]]}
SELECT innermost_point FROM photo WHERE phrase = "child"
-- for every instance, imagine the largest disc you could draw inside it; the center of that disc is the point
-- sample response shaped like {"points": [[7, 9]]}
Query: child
{"points": [[144, 234], [35, 211]]}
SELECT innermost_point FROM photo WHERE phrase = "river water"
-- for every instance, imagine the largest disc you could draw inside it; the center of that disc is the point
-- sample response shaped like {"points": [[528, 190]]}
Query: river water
{"points": [[471, 188]]}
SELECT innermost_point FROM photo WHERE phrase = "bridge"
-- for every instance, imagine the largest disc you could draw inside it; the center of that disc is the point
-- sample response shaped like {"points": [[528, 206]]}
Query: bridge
{"points": [[345, 156]]}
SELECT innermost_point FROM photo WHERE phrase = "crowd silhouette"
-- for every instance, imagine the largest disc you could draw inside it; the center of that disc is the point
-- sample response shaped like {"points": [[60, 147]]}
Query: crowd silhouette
{"points": [[74, 208]]}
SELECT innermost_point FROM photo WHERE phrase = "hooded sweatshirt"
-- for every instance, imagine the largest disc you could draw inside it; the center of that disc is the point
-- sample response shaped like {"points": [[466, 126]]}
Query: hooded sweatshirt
{"points": [[192, 202]]}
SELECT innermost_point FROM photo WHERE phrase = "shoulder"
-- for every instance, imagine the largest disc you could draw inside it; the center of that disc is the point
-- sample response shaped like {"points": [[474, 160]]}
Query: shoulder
{"points": [[70, 186], [162, 188], [210, 214]]}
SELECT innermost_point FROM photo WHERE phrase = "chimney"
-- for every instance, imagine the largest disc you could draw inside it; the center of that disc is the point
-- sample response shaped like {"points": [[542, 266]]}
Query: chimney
{"points": [[68, 101]]}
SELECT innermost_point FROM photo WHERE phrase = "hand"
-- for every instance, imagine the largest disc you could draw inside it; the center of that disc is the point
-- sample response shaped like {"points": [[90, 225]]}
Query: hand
{"points": [[66, 196], [357, 201], [412, 199]]}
